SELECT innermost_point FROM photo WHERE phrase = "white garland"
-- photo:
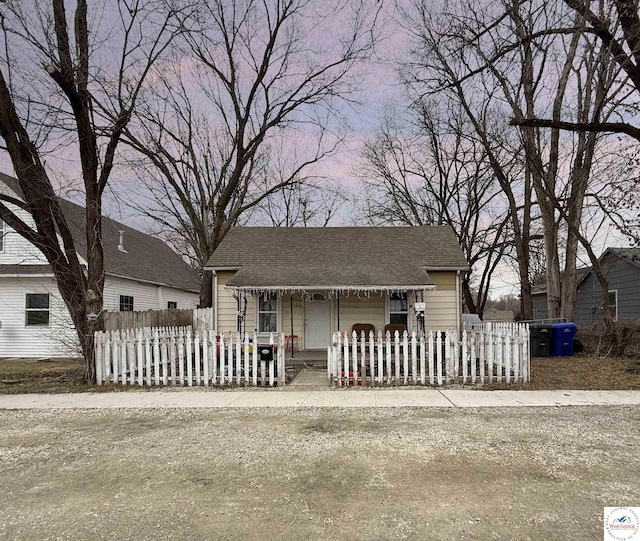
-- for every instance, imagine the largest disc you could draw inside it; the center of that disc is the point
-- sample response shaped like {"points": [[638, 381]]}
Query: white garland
{"points": [[333, 291]]}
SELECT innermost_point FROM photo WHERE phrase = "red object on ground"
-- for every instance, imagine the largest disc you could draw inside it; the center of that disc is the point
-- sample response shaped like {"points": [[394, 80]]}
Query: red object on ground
{"points": [[354, 381]]}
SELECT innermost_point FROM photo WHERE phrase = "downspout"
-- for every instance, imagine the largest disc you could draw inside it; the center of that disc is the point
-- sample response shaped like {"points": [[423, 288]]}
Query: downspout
{"points": [[338, 308], [215, 301], [458, 302]]}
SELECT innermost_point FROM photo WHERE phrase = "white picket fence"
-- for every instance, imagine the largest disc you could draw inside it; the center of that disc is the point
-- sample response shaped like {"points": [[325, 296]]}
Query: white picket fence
{"points": [[178, 356], [497, 353]]}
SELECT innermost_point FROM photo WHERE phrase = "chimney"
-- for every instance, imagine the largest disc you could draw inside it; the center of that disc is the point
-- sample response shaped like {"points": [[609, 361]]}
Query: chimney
{"points": [[121, 241]]}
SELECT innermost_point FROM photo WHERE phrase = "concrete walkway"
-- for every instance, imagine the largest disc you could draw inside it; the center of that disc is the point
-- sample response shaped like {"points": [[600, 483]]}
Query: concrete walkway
{"points": [[340, 398]]}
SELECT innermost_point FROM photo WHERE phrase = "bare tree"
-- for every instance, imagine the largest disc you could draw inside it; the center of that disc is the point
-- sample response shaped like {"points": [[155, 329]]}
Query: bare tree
{"points": [[618, 30], [303, 204], [71, 82], [262, 77], [519, 57], [442, 64], [435, 173]]}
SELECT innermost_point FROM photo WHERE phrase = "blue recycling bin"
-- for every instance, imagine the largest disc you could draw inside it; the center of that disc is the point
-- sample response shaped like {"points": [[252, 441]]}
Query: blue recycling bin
{"points": [[562, 341]]}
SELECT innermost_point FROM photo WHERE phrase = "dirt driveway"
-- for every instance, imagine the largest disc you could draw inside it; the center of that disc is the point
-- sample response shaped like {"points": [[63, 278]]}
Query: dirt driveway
{"points": [[512, 474]]}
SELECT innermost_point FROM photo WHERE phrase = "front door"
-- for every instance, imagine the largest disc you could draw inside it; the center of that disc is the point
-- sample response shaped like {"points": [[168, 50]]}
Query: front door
{"points": [[317, 321]]}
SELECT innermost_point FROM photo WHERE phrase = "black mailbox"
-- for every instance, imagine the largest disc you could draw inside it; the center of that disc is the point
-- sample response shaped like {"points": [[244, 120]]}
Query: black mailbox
{"points": [[265, 352]]}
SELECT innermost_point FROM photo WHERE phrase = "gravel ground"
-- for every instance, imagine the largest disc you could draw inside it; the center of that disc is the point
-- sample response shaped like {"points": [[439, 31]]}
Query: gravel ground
{"points": [[499, 473]]}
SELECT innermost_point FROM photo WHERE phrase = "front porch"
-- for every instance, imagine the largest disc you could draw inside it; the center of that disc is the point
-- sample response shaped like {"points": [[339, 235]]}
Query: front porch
{"points": [[309, 318]]}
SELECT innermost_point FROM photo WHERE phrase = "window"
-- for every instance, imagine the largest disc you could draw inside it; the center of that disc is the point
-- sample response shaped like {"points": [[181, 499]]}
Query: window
{"points": [[172, 305], [268, 313], [2, 234], [613, 304], [398, 308], [126, 303], [37, 309]]}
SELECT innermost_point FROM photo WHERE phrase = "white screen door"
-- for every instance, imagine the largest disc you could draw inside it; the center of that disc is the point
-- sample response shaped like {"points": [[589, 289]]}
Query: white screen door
{"points": [[317, 322]]}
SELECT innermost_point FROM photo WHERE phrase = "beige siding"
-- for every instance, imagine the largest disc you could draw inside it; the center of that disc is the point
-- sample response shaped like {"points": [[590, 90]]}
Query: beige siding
{"points": [[441, 303], [444, 280], [363, 309], [440, 308], [227, 305]]}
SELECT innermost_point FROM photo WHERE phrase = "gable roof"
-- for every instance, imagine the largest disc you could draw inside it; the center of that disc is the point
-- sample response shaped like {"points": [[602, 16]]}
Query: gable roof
{"points": [[146, 259], [630, 254], [336, 257], [539, 286]]}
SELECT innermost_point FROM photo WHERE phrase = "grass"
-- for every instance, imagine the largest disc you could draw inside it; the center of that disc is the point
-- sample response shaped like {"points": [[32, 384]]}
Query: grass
{"points": [[42, 376], [578, 372], [585, 372]]}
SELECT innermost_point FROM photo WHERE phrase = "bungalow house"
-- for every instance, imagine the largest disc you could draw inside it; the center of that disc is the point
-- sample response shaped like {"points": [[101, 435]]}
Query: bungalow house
{"points": [[622, 268], [141, 273], [310, 282]]}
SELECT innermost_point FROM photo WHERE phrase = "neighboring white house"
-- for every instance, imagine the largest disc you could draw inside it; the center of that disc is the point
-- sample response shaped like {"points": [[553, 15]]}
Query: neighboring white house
{"points": [[141, 273]]}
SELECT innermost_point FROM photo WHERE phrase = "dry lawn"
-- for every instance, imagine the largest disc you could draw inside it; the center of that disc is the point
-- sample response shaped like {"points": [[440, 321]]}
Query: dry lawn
{"points": [[512, 474], [46, 376]]}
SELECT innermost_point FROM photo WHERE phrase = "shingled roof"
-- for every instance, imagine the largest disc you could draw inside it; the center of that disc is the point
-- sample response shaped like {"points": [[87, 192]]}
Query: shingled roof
{"points": [[336, 257], [147, 259]]}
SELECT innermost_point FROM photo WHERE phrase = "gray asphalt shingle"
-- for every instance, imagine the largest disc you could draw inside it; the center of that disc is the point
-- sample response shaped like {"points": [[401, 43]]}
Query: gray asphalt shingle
{"points": [[337, 256]]}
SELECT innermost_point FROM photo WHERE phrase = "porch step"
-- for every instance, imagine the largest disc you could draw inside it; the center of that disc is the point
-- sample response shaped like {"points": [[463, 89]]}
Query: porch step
{"points": [[310, 358], [310, 363]]}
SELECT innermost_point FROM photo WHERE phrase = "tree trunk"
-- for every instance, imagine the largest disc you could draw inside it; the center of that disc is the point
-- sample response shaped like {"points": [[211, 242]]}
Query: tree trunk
{"points": [[206, 289]]}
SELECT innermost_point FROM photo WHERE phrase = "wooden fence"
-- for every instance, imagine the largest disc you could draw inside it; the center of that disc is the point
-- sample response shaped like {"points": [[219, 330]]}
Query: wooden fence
{"points": [[200, 319], [497, 353], [178, 356]]}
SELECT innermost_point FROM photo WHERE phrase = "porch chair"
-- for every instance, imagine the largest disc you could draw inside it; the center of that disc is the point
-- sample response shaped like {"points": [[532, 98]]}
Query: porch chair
{"points": [[393, 327], [366, 327]]}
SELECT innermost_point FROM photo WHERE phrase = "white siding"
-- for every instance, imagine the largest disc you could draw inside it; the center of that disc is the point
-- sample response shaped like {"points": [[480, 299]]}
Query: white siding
{"points": [[145, 296], [19, 340], [59, 338], [17, 250], [185, 299]]}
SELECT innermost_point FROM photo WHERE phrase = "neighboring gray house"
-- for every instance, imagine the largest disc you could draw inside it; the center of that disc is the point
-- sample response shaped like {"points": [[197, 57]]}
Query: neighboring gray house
{"points": [[622, 268]]}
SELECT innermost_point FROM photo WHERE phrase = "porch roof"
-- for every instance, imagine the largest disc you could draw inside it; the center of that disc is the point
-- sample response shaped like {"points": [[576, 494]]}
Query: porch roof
{"points": [[331, 276]]}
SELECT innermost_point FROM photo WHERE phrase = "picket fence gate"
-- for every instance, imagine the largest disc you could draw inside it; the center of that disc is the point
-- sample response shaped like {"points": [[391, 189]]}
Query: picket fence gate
{"points": [[178, 356], [499, 352]]}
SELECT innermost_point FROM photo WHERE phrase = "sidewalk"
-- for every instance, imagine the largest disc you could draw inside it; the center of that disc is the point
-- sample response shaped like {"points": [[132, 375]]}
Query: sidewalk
{"points": [[343, 398]]}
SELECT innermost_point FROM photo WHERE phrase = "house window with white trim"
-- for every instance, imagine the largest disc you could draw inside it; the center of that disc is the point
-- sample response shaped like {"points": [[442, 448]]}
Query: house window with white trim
{"points": [[267, 312], [126, 303], [613, 304], [3, 231], [398, 308], [37, 309], [172, 305]]}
